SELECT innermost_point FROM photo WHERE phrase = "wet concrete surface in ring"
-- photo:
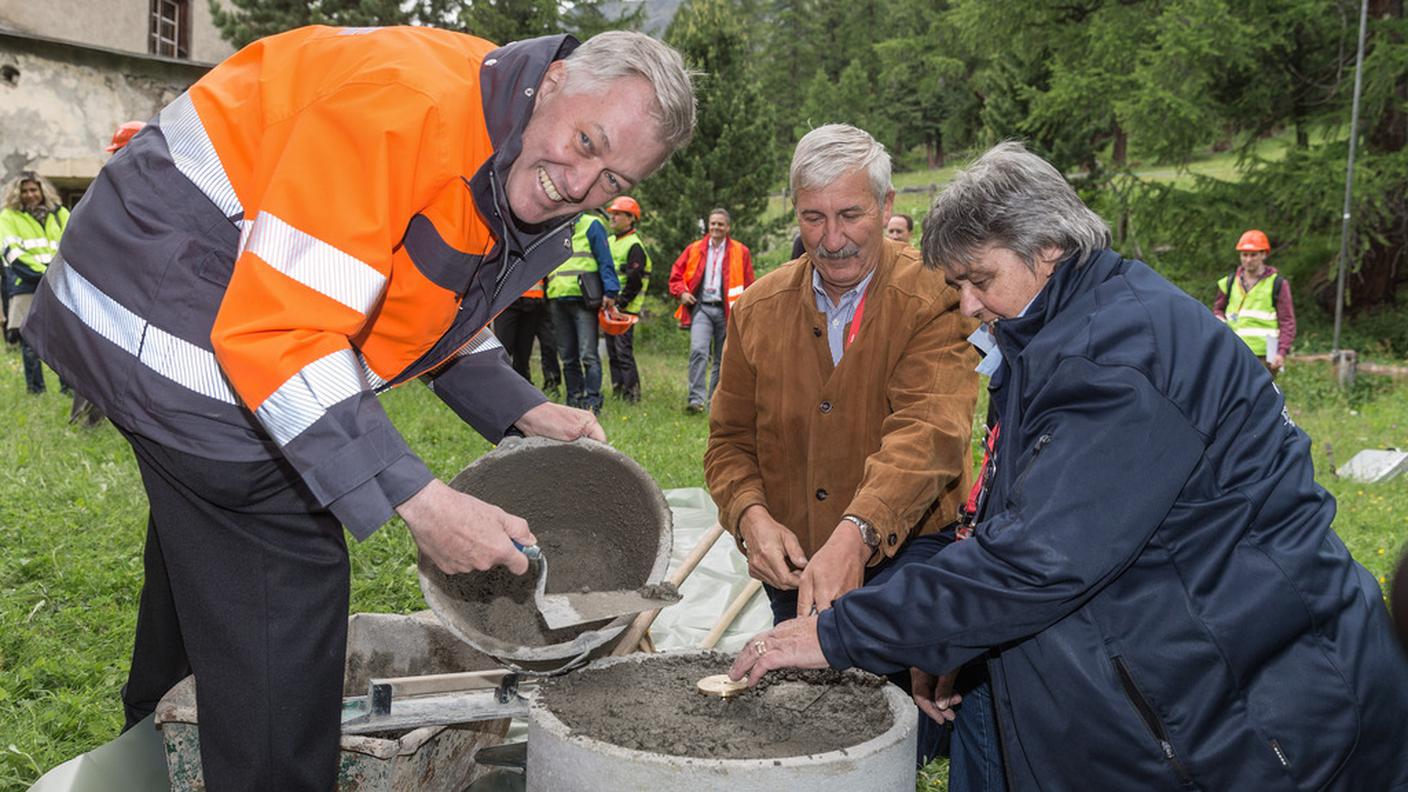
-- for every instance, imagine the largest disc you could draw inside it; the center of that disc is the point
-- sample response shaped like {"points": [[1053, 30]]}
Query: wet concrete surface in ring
{"points": [[597, 525], [654, 706]]}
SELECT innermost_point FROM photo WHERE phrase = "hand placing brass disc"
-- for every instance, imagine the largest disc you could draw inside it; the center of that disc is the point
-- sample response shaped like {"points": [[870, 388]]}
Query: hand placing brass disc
{"points": [[720, 685]]}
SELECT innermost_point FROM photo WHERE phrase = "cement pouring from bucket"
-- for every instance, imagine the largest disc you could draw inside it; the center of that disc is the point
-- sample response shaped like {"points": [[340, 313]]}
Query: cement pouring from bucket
{"points": [[568, 610]]}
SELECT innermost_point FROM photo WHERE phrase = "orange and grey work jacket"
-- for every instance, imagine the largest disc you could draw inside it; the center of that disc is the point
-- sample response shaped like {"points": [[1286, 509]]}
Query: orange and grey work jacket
{"points": [[319, 218]]}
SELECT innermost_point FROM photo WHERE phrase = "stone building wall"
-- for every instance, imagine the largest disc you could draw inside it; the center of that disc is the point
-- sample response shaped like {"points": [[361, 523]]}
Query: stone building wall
{"points": [[59, 104]]}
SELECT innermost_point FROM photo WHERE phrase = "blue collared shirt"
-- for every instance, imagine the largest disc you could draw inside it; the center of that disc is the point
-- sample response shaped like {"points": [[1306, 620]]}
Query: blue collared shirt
{"points": [[838, 314], [986, 342]]}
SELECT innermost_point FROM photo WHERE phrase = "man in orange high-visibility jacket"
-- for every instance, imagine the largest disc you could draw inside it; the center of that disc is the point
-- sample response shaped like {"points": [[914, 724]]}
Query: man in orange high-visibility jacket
{"points": [[708, 278], [329, 213]]}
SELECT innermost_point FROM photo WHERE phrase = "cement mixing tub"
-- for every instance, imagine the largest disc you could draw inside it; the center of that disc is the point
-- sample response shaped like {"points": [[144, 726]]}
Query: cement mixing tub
{"points": [[563, 760], [602, 522], [431, 759]]}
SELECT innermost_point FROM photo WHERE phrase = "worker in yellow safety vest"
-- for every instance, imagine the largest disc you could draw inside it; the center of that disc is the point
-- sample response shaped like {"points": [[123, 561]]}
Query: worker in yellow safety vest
{"points": [[576, 291], [1255, 301], [31, 224], [633, 266]]}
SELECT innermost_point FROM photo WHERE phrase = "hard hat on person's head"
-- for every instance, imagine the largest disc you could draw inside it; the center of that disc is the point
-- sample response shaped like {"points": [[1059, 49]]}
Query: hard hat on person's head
{"points": [[1253, 241], [625, 204], [123, 134], [614, 322]]}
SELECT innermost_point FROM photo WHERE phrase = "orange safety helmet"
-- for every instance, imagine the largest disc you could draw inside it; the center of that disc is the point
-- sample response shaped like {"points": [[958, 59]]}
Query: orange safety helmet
{"points": [[625, 204], [1253, 241], [614, 322], [123, 134]]}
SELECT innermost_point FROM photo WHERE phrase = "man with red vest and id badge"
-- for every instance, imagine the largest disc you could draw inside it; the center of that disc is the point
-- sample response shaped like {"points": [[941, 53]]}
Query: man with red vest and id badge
{"points": [[328, 214], [708, 278], [839, 435], [1255, 301]]}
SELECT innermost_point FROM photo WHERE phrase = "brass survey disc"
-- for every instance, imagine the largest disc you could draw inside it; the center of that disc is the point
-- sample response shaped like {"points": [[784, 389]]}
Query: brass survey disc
{"points": [[720, 685]]}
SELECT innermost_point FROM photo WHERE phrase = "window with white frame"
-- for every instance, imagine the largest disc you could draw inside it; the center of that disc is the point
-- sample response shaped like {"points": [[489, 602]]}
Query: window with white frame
{"points": [[170, 28]]}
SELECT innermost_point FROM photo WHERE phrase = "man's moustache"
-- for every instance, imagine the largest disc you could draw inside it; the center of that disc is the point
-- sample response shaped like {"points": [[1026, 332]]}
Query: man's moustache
{"points": [[849, 251]]}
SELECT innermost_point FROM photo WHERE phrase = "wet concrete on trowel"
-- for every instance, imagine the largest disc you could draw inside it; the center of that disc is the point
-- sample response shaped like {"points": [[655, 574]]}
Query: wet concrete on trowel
{"points": [[655, 706], [596, 525]]}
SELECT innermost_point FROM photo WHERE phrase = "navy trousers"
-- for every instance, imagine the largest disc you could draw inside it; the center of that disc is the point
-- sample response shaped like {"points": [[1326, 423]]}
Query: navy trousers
{"points": [[246, 587]]}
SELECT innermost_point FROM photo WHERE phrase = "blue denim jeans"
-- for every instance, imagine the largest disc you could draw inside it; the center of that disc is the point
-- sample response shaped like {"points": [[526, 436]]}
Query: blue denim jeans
{"points": [[975, 761], [975, 758], [575, 327]]}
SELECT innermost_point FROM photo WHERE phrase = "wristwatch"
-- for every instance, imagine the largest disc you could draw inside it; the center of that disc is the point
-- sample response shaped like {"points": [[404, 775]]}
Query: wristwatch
{"points": [[868, 534]]}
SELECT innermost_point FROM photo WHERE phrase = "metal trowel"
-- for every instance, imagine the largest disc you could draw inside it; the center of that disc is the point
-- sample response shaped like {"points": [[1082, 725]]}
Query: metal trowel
{"points": [[566, 610]]}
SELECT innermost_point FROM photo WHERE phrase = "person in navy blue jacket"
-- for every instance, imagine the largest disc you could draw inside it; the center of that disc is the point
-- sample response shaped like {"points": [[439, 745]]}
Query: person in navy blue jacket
{"points": [[1153, 574]]}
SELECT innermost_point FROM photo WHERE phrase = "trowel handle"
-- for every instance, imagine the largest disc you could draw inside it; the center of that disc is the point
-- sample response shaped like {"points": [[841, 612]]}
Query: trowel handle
{"points": [[532, 551]]}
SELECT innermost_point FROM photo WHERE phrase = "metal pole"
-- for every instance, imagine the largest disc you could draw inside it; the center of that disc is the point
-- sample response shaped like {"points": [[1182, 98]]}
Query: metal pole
{"points": [[1349, 175]]}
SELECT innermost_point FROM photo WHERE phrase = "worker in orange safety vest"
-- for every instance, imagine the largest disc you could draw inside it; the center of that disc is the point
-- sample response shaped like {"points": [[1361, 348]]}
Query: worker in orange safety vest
{"points": [[330, 213], [526, 319]]}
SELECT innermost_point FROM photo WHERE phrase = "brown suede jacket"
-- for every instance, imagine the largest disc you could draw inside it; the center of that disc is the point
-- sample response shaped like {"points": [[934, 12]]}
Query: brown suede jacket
{"points": [[884, 435]]}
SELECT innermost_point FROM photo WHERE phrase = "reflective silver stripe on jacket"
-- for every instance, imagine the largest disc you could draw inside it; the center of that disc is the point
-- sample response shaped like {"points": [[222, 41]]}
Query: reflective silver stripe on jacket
{"points": [[306, 396], [195, 155], [174, 358], [373, 380], [314, 263], [483, 341]]}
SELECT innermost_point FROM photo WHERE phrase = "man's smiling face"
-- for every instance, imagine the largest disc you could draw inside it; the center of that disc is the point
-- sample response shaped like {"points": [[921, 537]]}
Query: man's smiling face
{"points": [[580, 150]]}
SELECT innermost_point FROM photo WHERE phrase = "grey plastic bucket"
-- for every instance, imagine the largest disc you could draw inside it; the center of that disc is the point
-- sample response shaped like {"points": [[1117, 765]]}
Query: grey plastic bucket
{"points": [[557, 487]]}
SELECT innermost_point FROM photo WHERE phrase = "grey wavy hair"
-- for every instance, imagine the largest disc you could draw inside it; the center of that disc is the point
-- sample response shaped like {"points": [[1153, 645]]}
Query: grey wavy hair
{"points": [[607, 57], [1014, 199], [826, 153], [52, 201]]}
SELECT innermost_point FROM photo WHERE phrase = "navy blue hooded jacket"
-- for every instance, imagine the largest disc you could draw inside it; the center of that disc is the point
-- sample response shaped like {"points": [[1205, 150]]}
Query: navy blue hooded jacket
{"points": [[1156, 570]]}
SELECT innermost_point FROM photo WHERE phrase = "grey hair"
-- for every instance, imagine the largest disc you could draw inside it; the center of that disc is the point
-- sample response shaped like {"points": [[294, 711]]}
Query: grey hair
{"points": [[11, 200], [728, 218], [826, 153], [610, 56], [1013, 199]]}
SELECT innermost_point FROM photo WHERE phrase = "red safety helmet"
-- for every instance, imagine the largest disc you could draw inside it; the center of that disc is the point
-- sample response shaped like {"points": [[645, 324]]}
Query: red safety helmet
{"points": [[1253, 241], [614, 322], [123, 134], [625, 204]]}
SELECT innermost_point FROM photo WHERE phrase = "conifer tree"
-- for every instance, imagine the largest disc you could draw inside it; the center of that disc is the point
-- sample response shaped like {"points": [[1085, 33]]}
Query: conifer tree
{"points": [[732, 161]]}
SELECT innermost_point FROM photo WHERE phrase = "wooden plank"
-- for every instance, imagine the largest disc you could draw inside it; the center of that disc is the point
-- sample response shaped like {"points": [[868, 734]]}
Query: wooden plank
{"points": [[430, 684], [730, 614], [631, 638]]}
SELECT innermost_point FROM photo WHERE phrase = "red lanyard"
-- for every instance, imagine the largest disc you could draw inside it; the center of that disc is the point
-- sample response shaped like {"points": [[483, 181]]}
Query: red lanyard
{"points": [[855, 319], [978, 494]]}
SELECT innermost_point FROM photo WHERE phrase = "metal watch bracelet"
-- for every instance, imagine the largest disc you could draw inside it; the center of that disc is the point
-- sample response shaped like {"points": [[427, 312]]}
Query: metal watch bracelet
{"points": [[868, 534]]}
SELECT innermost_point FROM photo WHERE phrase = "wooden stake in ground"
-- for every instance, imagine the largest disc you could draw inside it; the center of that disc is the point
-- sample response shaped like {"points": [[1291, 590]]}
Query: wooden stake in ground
{"points": [[730, 614], [631, 638]]}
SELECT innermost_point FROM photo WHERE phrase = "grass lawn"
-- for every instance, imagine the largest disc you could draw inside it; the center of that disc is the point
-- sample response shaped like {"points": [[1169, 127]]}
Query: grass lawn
{"points": [[72, 521]]}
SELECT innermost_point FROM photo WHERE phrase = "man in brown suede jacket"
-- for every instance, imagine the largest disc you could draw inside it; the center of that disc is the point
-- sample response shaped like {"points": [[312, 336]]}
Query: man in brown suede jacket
{"points": [[840, 430], [839, 434]]}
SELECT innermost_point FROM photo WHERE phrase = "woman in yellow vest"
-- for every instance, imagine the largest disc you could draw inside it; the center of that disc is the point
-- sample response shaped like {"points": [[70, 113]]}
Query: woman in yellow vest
{"points": [[30, 226], [633, 268], [1255, 301]]}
